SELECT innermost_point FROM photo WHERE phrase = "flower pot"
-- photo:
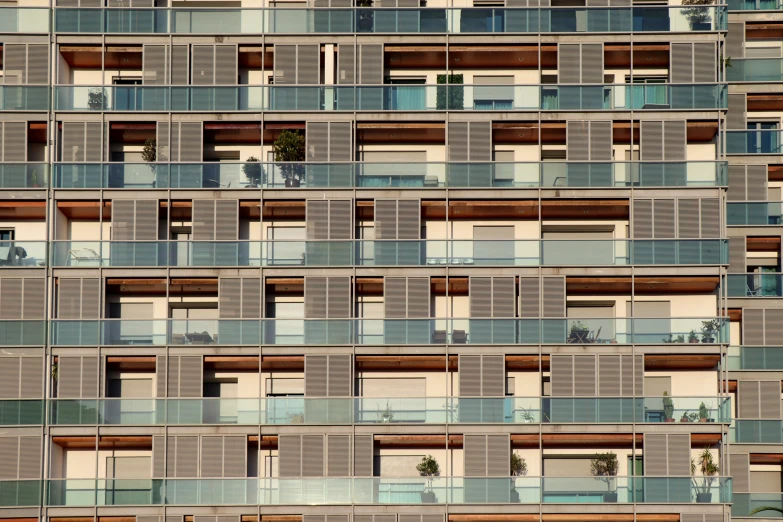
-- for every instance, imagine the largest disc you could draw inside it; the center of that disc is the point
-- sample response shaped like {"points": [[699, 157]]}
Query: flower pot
{"points": [[514, 498], [610, 497], [292, 183], [708, 340], [694, 341], [685, 419], [701, 26], [710, 420], [668, 420], [428, 497], [704, 498], [703, 420]]}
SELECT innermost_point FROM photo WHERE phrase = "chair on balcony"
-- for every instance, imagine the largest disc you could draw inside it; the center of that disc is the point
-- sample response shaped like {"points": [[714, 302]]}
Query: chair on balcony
{"points": [[459, 337], [752, 293], [439, 337], [79, 255]]}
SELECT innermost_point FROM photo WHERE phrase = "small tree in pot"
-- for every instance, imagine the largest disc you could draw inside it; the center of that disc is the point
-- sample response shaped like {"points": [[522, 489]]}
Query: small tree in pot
{"points": [[96, 98], [604, 467], [698, 16], [668, 408], [252, 171], [289, 147], [428, 467], [704, 413], [518, 469], [709, 471]]}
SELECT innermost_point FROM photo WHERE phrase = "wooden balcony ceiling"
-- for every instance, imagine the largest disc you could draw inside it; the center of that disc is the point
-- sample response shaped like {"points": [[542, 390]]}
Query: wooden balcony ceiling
{"points": [[765, 102], [89, 56], [641, 285], [414, 133], [763, 30], [775, 172], [105, 442], [27, 210], [766, 458], [567, 517], [130, 363], [233, 132], [256, 57], [763, 244], [131, 133]]}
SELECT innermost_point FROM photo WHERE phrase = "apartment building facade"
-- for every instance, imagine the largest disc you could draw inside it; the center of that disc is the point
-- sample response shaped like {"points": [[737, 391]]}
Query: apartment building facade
{"points": [[390, 260]]}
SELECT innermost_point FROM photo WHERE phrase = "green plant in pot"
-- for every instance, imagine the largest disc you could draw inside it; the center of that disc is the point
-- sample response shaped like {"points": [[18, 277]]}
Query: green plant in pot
{"points": [[289, 147], [428, 467], [709, 329], [149, 154], [709, 471], [96, 98], [386, 414], [518, 469], [668, 408], [603, 467], [366, 17], [578, 331], [252, 171], [698, 15], [693, 337], [704, 413]]}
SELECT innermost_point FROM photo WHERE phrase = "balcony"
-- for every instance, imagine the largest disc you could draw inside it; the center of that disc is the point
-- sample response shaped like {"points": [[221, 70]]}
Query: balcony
{"points": [[746, 431], [756, 358], [378, 490], [384, 175], [256, 98], [756, 141], [754, 213], [764, 284], [745, 503], [387, 20], [22, 412], [22, 333], [24, 175], [754, 5], [21, 493], [161, 332], [755, 69], [432, 252], [24, 20], [23, 97], [23, 254], [361, 410]]}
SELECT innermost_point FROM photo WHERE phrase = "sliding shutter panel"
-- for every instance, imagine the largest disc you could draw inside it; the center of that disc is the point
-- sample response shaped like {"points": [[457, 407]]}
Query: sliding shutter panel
{"points": [[470, 376], [562, 375], [736, 115], [33, 298], [227, 219], [710, 218], [475, 455], [285, 65], [317, 219], [568, 63], [363, 455], [338, 455], [338, 305], [385, 218], [395, 297], [458, 140], [204, 219], [493, 376], [529, 297], [739, 469], [773, 326], [769, 399], [480, 145], [601, 139], [704, 62], [341, 219], [554, 296], [610, 382], [735, 40], [674, 140], [498, 456], [651, 143], [756, 182], [655, 455], [154, 64], [371, 64], [578, 141], [308, 64], [340, 141], [346, 64], [315, 375], [78, 298], [21, 460], [418, 297], [312, 455], [339, 378], [480, 293], [678, 454], [315, 297], [81, 142], [14, 64], [226, 64], [289, 451], [592, 63], [162, 141], [681, 63], [317, 138], [230, 298], [748, 399], [203, 64], [13, 141], [191, 142], [158, 456], [161, 370], [21, 377], [688, 218], [752, 324], [584, 376], [77, 377], [180, 72], [211, 457], [663, 219]]}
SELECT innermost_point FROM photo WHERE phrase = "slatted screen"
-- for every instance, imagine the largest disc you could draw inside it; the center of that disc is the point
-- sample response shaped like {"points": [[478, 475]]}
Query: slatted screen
{"points": [[580, 63], [20, 457], [21, 377], [667, 454], [25, 64], [492, 297], [78, 377], [240, 297], [482, 376], [215, 219], [739, 469], [81, 142], [79, 298], [736, 115], [758, 399], [329, 141], [470, 141], [328, 375], [184, 376], [13, 141], [327, 297], [487, 455], [406, 297], [693, 62], [397, 218], [223, 456]]}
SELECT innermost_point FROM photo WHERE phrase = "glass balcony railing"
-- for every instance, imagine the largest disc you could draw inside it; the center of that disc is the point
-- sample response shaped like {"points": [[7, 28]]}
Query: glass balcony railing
{"points": [[548, 252], [754, 213], [22, 333], [378, 490], [361, 410], [23, 254], [385, 331], [24, 175], [220, 175], [762, 141], [755, 70], [747, 431], [764, 284], [23, 97], [391, 20], [21, 493], [21, 412], [390, 97], [754, 5], [745, 503], [24, 20], [755, 358]]}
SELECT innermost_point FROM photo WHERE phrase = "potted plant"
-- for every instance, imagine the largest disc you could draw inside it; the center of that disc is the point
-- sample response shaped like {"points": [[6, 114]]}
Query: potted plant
{"points": [[518, 469], [698, 16], [366, 17], [289, 147], [672, 339], [96, 98], [708, 330], [685, 417], [450, 97], [527, 416], [428, 467], [709, 471], [578, 332], [34, 178], [252, 171], [604, 467], [692, 337], [704, 413], [668, 408], [385, 415]]}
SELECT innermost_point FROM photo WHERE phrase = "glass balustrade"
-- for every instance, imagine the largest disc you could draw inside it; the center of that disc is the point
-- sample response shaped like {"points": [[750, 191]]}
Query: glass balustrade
{"points": [[379, 490], [23, 254], [764, 284], [21, 412], [743, 504], [23, 97], [747, 431], [24, 20], [389, 97], [755, 69], [755, 358], [21, 493], [363, 410], [754, 5], [433, 252], [391, 20], [220, 175], [385, 331], [756, 141], [24, 175], [754, 213], [22, 332]]}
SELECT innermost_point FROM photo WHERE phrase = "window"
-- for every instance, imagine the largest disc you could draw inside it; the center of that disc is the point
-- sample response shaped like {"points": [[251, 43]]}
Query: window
{"points": [[763, 137], [6, 235], [647, 91]]}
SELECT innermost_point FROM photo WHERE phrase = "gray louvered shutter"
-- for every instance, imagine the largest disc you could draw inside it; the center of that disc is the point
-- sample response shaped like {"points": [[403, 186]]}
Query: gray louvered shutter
{"points": [[21, 377], [498, 456], [752, 326], [182, 456], [123, 220], [756, 182], [363, 455], [739, 469], [688, 218], [340, 141], [674, 141], [480, 293], [315, 297], [190, 142], [338, 303], [158, 456], [93, 149], [315, 375], [11, 290], [33, 298], [338, 455], [203, 220], [180, 59], [161, 370], [493, 376], [561, 371], [734, 46], [371, 64], [610, 381], [14, 141], [592, 63], [475, 455], [339, 378], [211, 457], [346, 64], [651, 142], [418, 297], [529, 297], [30, 457], [553, 293], [191, 375], [312, 455], [748, 399], [9, 457], [230, 298], [341, 219], [37, 64], [631, 375], [569, 58], [14, 64], [289, 452], [578, 141], [773, 326], [395, 297], [664, 219], [172, 377], [470, 376], [317, 138], [681, 63], [385, 218], [154, 64], [308, 64], [480, 141], [504, 294], [409, 219], [203, 60], [9, 377], [285, 64], [704, 62], [226, 65], [737, 183], [68, 299], [678, 452], [162, 141], [458, 140], [235, 456], [769, 399], [710, 218], [72, 141], [252, 298], [737, 255], [317, 219], [584, 376], [600, 141], [227, 219], [655, 455], [736, 115], [77, 377]]}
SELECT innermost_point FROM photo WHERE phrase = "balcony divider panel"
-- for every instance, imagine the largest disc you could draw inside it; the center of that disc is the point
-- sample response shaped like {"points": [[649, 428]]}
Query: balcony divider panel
{"points": [[736, 115], [734, 46], [739, 469], [346, 64], [738, 259]]}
